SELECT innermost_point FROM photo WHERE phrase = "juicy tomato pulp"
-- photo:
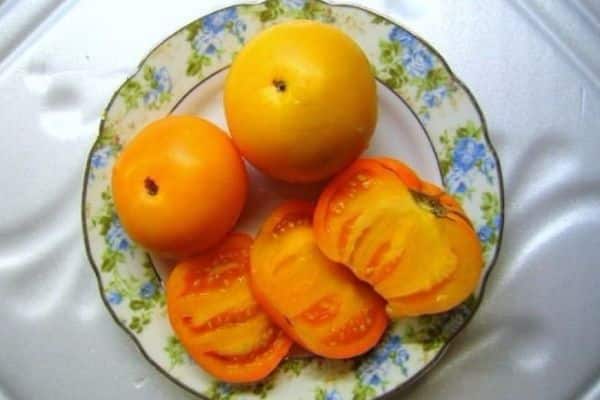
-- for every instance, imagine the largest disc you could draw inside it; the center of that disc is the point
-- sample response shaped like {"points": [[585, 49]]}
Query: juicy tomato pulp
{"points": [[406, 237], [215, 316], [316, 301]]}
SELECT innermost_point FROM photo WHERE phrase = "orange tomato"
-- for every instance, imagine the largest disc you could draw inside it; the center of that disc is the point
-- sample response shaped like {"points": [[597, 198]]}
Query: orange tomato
{"points": [[318, 302], [216, 318], [406, 237], [463, 240], [301, 101], [179, 186]]}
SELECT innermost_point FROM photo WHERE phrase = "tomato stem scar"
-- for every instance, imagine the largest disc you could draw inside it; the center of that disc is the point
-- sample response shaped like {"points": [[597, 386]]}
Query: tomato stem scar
{"points": [[151, 186], [279, 85]]}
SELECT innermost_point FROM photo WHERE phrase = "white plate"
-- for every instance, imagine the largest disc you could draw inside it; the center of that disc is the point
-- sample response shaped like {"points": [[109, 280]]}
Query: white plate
{"points": [[427, 118]]}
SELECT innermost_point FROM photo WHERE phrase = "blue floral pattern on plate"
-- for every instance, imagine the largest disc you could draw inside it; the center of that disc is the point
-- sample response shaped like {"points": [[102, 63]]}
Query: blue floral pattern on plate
{"points": [[406, 61], [403, 62], [114, 298], [100, 157], [160, 86], [374, 372], [208, 35], [116, 236]]}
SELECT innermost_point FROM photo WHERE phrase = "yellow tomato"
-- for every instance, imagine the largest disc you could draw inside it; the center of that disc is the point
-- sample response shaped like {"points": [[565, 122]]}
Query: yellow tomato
{"points": [[179, 186], [300, 101]]}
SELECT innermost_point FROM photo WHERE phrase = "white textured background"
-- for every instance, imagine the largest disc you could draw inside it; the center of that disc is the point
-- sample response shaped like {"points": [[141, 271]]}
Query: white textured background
{"points": [[534, 66]]}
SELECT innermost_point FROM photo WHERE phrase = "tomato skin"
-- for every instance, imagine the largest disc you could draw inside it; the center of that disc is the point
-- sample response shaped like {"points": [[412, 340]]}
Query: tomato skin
{"points": [[316, 87], [415, 184], [427, 261], [216, 318], [246, 371], [179, 186], [316, 301], [325, 205], [454, 290]]}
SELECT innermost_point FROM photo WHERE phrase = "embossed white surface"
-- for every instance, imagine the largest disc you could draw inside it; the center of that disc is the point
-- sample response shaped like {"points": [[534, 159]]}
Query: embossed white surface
{"points": [[535, 77]]}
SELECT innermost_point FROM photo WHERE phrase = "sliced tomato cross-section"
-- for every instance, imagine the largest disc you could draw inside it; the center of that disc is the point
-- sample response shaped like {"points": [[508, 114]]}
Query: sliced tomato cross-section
{"points": [[216, 318], [318, 302], [406, 237]]}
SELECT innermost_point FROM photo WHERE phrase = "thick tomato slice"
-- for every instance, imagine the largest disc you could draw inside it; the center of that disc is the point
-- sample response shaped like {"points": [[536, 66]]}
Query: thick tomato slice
{"points": [[454, 290], [463, 241], [318, 302], [414, 243], [215, 316], [367, 218]]}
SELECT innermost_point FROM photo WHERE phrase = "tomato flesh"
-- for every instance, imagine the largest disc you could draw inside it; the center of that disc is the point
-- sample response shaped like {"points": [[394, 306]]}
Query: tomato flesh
{"points": [[381, 231], [216, 318], [452, 291], [404, 236], [317, 302]]}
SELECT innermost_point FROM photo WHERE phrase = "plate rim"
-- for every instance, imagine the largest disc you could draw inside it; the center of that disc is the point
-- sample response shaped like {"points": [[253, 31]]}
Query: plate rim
{"points": [[404, 386]]}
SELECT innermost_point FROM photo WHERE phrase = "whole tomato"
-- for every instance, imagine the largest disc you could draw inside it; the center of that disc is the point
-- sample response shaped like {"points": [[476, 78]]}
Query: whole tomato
{"points": [[179, 186], [301, 101]]}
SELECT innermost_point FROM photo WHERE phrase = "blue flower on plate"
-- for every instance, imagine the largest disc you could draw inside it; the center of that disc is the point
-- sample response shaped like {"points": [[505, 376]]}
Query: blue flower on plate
{"points": [[161, 83], [381, 353], [238, 28], [374, 369], [216, 22], [435, 96], [487, 166], [294, 4], [393, 349], [489, 163], [467, 152], [485, 233], [162, 79], [148, 290], [116, 236], [208, 40], [400, 356], [114, 297], [403, 37], [100, 157], [455, 181], [151, 97], [497, 221], [372, 372], [205, 43], [333, 395], [417, 60]]}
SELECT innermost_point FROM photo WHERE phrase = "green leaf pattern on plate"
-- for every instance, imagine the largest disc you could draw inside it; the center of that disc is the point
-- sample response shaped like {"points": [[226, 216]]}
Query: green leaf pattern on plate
{"points": [[432, 331], [141, 294], [175, 352], [273, 10], [409, 67], [464, 159], [208, 37], [401, 60], [153, 90]]}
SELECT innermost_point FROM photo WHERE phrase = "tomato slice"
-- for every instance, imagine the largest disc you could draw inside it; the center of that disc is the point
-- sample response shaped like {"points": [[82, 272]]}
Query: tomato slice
{"points": [[367, 218], [463, 240], [454, 290], [406, 237], [216, 318], [318, 302]]}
